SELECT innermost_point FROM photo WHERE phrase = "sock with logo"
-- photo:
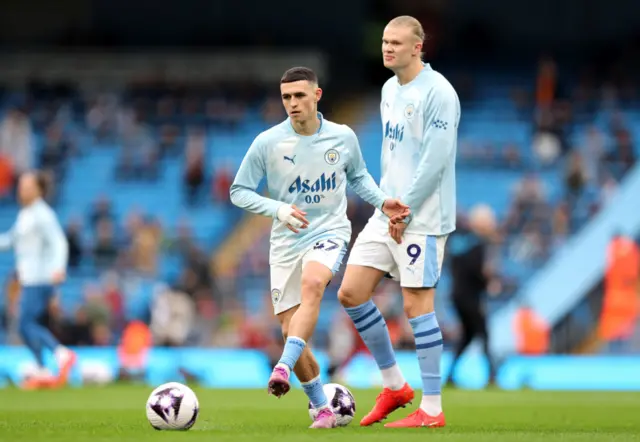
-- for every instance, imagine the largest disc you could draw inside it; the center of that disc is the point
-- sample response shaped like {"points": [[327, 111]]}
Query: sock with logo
{"points": [[314, 391], [373, 330], [429, 351], [292, 350]]}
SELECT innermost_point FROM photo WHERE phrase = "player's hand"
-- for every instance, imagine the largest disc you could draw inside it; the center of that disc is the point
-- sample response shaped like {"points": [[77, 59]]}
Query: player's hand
{"points": [[396, 210], [58, 277], [293, 217], [396, 230]]}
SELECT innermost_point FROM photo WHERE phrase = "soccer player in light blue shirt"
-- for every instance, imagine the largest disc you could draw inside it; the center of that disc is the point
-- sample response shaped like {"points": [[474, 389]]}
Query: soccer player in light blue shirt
{"points": [[41, 252], [308, 162], [420, 113]]}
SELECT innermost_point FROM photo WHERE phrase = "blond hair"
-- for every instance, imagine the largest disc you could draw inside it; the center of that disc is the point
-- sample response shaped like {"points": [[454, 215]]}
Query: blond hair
{"points": [[410, 22]]}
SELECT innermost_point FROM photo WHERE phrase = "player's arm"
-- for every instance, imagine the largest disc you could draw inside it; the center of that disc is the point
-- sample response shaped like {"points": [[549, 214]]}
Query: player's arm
{"points": [[243, 190], [365, 186], [437, 148], [244, 195], [57, 240], [359, 177], [6, 239]]}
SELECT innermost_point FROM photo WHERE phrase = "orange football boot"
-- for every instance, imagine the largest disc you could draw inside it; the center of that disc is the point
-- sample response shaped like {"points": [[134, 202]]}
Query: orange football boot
{"points": [[418, 419], [386, 403]]}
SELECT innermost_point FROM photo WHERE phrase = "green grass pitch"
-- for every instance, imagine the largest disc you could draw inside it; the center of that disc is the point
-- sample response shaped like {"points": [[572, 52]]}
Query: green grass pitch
{"points": [[117, 413]]}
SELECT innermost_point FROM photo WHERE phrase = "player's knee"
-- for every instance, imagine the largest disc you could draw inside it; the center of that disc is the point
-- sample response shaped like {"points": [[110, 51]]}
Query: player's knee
{"points": [[350, 297], [417, 302], [312, 288]]}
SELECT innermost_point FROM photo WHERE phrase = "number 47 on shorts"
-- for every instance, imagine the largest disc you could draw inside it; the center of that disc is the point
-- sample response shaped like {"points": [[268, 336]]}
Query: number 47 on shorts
{"points": [[326, 245]]}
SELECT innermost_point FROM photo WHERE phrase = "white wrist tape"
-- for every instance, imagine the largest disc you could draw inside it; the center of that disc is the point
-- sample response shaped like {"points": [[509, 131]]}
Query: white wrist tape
{"points": [[284, 214]]}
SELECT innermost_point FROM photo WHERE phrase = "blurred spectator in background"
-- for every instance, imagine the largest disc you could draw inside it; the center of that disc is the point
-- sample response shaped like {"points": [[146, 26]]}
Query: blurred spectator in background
{"points": [[547, 83], [145, 247], [169, 144], [139, 155], [622, 157], [593, 150], [105, 250], [102, 118], [529, 204], [194, 173], [221, 183], [113, 298], [74, 238], [172, 316], [56, 150], [272, 112], [74, 330], [6, 177], [16, 141], [553, 113], [531, 331], [473, 276], [575, 178], [101, 211], [133, 350], [621, 302]]}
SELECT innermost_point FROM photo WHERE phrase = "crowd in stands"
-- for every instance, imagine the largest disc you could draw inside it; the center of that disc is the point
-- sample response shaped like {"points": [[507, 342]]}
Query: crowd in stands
{"points": [[154, 122]]}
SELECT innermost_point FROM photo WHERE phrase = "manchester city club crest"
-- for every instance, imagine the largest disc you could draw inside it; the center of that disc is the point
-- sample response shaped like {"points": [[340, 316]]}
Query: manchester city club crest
{"points": [[409, 111], [332, 156], [276, 296]]}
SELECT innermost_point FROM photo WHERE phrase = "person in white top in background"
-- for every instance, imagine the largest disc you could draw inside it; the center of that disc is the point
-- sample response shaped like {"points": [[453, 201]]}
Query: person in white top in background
{"points": [[41, 252]]}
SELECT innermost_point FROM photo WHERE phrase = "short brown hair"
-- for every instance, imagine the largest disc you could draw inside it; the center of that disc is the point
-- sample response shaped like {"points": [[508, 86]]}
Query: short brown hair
{"points": [[299, 74]]}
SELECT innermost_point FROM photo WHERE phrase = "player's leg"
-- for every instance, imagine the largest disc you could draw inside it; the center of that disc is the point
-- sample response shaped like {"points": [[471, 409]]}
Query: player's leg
{"points": [[420, 262], [369, 261], [286, 297], [306, 369], [289, 283], [314, 279], [355, 294], [318, 267], [34, 302], [482, 332], [29, 314], [65, 358], [466, 338]]}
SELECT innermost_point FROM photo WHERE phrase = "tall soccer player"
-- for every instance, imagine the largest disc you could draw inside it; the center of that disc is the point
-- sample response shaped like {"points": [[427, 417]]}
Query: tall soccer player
{"points": [[308, 162], [420, 115], [41, 251]]}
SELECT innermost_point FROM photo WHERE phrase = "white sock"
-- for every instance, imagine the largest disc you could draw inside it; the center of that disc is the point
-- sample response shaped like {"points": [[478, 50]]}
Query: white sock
{"points": [[61, 354], [43, 373], [392, 378], [432, 404]]}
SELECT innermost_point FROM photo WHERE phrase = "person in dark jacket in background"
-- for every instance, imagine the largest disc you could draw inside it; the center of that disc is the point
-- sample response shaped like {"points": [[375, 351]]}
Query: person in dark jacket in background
{"points": [[473, 276]]}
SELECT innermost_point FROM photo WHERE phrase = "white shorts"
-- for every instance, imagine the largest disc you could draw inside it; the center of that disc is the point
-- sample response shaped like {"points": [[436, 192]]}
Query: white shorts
{"points": [[286, 280], [416, 263]]}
